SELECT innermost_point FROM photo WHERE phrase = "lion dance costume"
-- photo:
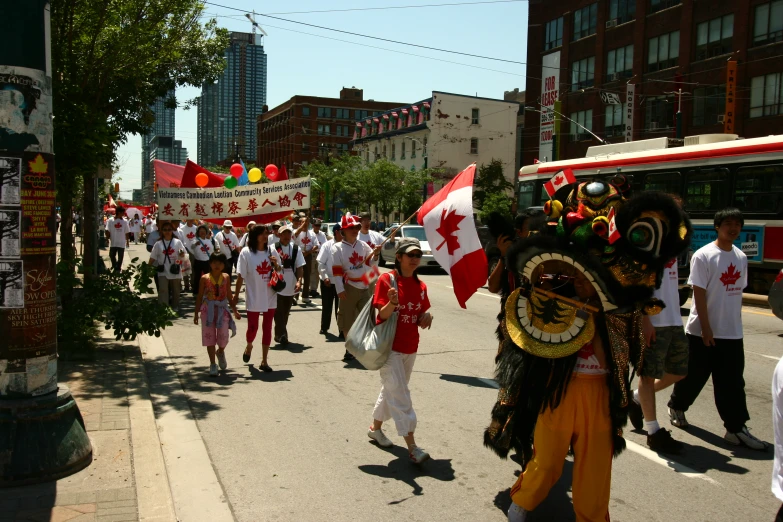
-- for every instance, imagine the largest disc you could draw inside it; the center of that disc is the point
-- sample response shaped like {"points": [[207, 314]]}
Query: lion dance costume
{"points": [[616, 246]]}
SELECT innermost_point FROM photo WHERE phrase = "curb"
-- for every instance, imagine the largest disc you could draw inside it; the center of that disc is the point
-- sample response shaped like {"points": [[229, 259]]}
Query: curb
{"points": [[195, 487], [761, 301]]}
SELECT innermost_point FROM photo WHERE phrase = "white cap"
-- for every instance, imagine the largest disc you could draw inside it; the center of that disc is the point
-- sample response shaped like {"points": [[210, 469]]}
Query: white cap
{"points": [[285, 228], [228, 223]]}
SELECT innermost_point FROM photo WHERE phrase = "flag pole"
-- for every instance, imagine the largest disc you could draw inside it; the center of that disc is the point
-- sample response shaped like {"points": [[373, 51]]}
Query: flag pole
{"points": [[391, 236]]}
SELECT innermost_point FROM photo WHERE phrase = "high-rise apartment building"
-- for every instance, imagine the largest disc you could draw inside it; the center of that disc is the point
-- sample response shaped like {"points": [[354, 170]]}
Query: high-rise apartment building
{"points": [[227, 108], [163, 126]]}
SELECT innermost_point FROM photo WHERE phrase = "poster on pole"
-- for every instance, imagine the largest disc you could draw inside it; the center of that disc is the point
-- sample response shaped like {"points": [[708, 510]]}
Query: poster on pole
{"points": [[629, 108], [10, 232], [11, 284], [550, 87], [223, 203], [10, 176]]}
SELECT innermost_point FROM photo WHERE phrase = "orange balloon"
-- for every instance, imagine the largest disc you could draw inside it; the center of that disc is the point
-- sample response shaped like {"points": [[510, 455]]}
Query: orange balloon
{"points": [[202, 180]]}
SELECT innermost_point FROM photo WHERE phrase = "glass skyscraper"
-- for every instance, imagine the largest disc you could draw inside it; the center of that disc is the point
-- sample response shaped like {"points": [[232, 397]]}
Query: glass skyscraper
{"points": [[159, 143], [227, 108]]}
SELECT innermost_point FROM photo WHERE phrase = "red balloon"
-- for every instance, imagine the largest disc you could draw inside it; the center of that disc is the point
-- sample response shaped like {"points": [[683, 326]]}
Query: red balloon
{"points": [[271, 172], [202, 179], [236, 170]]}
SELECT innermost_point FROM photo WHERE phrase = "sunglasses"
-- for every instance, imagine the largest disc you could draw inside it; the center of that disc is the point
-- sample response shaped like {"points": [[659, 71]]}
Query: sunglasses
{"points": [[417, 255]]}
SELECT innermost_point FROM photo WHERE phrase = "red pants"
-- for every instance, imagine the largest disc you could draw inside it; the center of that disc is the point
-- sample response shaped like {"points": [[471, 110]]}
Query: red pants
{"points": [[252, 326]]}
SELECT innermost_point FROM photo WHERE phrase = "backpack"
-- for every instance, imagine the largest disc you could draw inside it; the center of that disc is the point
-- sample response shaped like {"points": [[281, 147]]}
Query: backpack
{"points": [[291, 262]]}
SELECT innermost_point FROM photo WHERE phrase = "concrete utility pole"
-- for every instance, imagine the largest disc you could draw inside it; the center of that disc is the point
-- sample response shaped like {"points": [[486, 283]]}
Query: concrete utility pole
{"points": [[42, 435]]}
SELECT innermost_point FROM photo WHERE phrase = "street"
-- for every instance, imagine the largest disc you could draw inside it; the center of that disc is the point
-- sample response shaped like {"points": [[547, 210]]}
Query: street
{"points": [[292, 445]]}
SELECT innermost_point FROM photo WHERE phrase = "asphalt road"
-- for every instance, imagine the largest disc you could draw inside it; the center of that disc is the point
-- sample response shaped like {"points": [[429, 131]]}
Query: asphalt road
{"points": [[292, 445]]}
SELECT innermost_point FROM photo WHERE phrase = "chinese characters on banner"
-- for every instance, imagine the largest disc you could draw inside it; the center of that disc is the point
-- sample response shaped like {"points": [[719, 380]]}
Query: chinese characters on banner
{"points": [[731, 86], [550, 86], [223, 203]]}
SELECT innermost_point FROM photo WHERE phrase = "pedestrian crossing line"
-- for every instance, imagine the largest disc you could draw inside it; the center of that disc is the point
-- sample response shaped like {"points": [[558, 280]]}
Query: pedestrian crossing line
{"points": [[764, 355], [680, 469]]}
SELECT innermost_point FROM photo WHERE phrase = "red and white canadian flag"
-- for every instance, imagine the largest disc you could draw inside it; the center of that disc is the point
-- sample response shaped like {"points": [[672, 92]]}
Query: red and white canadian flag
{"points": [[111, 201], [447, 218], [559, 180], [614, 234]]}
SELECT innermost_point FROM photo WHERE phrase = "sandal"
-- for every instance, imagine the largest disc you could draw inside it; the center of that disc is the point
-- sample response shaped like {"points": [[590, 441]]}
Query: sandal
{"points": [[246, 355], [265, 367]]}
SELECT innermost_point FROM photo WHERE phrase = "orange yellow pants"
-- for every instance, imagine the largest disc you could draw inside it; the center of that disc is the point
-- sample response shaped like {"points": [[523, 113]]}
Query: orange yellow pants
{"points": [[582, 420]]}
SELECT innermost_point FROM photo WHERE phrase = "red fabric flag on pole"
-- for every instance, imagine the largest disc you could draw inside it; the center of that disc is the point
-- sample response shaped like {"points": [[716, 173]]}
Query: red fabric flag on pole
{"points": [[559, 180], [614, 234], [283, 174], [447, 218]]}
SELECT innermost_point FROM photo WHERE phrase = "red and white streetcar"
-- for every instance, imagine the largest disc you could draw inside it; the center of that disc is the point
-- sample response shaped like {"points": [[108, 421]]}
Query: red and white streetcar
{"points": [[709, 172]]}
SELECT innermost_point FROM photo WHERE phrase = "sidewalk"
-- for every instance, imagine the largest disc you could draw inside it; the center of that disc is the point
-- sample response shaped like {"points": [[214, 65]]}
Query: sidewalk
{"points": [[127, 479]]}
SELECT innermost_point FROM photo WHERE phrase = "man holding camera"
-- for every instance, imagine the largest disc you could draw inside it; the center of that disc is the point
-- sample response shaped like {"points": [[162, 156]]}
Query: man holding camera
{"points": [[293, 264]]}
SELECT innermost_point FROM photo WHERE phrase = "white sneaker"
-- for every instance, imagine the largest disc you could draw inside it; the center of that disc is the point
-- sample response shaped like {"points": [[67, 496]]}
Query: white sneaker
{"points": [[213, 370], [745, 438], [677, 418], [221, 357], [380, 437], [517, 513], [418, 455]]}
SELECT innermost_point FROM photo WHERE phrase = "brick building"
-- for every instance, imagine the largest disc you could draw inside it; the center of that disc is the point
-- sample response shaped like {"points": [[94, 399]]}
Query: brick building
{"points": [[614, 67], [305, 128]]}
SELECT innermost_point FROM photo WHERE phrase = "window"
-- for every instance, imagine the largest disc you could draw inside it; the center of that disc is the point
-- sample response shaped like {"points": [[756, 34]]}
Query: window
{"points": [[708, 104], [343, 130], [384, 151], [585, 21], [768, 23], [660, 5], [759, 189], [706, 189], [614, 124], [402, 150], [668, 182], [344, 114], [394, 151], [413, 148], [619, 63], [663, 51], [424, 149], [713, 38], [766, 95], [581, 120], [305, 147], [360, 115], [375, 156], [526, 193], [324, 112], [553, 34], [583, 73], [343, 148], [323, 130], [305, 111], [622, 10], [659, 114], [474, 145], [474, 119]]}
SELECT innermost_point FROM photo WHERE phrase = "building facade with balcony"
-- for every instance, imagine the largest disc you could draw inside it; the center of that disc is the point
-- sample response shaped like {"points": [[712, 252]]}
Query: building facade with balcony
{"points": [[624, 68], [306, 128]]}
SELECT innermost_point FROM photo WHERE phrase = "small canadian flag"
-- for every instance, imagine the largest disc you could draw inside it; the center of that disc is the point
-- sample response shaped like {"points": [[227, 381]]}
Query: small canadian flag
{"points": [[559, 180], [614, 234]]}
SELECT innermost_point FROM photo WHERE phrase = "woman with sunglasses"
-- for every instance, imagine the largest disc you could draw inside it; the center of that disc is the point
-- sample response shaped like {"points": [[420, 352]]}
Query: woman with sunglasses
{"points": [[164, 256], [411, 301], [254, 266]]}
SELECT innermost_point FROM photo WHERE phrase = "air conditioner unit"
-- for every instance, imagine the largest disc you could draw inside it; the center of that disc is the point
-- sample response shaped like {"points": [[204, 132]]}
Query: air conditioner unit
{"points": [[653, 125], [721, 118], [611, 23], [614, 77]]}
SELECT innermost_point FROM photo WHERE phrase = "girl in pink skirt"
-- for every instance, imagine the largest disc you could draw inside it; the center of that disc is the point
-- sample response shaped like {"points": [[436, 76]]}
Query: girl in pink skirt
{"points": [[214, 304]]}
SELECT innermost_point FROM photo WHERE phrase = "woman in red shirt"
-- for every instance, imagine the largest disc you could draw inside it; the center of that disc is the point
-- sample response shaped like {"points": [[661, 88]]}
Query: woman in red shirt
{"points": [[411, 302]]}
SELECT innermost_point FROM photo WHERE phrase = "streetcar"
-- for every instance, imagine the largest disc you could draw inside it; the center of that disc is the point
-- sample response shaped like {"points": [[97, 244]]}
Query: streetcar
{"points": [[709, 172]]}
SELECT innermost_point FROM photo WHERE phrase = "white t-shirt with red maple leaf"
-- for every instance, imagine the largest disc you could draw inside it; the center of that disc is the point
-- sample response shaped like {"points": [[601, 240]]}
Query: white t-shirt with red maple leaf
{"points": [[669, 294], [347, 261], [188, 235], [723, 275], [372, 238], [256, 269], [117, 228], [172, 248]]}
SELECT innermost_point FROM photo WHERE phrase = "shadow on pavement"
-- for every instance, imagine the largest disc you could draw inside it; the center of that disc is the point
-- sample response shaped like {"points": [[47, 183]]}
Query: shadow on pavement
{"points": [[290, 347], [402, 469], [467, 380], [556, 507], [706, 458], [170, 391], [353, 364], [275, 376]]}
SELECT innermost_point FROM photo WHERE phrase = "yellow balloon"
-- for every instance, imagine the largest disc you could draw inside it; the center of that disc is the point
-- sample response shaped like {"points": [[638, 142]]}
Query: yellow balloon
{"points": [[254, 175]]}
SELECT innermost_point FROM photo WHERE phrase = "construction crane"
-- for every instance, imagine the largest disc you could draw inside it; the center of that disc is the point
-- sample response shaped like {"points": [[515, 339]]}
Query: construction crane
{"points": [[255, 24]]}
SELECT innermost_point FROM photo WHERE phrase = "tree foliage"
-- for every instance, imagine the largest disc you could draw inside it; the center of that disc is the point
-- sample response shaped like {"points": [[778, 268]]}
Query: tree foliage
{"points": [[490, 180], [111, 60]]}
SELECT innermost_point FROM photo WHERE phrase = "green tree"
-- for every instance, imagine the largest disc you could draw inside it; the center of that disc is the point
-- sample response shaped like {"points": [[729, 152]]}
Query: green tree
{"points": [[112, 59], [490, 181], [338, 176], [497, 202]]}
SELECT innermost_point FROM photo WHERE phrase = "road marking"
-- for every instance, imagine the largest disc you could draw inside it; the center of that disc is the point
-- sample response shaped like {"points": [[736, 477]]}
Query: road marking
{"points": [[685, 471], [759, 313], [764, 355], [478, 293]]}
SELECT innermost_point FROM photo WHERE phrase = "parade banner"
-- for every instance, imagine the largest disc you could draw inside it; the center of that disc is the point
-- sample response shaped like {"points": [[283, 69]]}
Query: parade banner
{"points": [[223, 203]]}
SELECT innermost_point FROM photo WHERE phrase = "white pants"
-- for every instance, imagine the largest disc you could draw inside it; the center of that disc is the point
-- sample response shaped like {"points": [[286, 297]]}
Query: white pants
{"points": [[394, 401]]}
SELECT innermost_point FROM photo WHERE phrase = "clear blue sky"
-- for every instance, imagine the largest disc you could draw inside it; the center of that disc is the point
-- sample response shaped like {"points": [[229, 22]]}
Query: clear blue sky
{"points": [[303, 64]]}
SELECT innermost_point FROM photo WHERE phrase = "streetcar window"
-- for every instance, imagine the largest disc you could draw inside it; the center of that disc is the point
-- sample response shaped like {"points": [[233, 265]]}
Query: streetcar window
{"points": [[759, 189], [669, 182], [526, 193], [706, 189]]}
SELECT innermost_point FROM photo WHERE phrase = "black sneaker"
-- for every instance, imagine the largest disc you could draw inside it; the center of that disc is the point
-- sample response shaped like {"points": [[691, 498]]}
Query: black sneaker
{"points": [[283, 339], [662, 442], [635, 414], [323, 331], [348, 356]]}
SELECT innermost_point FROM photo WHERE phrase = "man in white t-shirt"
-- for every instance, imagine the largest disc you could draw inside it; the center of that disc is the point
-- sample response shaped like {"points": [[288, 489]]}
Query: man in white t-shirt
{"points": [[329, 298], [135, 229], [118, 234], [308, 243], [665, 362], [228, 243], [293, 272], [187, 233], [719, 273], [777, 426], [371, 237], [321, 241]]}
